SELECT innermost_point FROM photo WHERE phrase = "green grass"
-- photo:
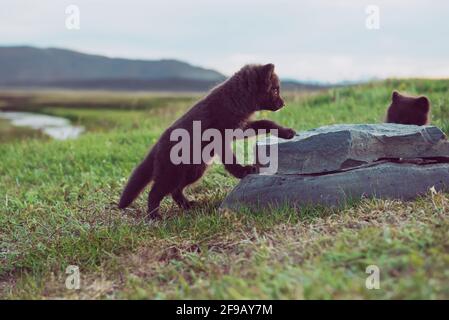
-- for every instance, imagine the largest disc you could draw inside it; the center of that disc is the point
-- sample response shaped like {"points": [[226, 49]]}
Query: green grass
{"points": [[57, 208]]}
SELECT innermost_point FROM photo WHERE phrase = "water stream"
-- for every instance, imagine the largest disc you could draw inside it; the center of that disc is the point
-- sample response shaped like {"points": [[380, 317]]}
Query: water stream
{"points": [[56, 127]]}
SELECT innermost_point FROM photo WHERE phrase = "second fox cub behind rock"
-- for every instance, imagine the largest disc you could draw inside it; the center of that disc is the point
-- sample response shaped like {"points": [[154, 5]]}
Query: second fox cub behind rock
{"points": [[408, 110], [228, 106]]}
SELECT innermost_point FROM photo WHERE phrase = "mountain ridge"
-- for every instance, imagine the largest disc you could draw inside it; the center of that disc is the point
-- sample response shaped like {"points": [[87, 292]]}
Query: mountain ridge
{"points": [[32, 67]]}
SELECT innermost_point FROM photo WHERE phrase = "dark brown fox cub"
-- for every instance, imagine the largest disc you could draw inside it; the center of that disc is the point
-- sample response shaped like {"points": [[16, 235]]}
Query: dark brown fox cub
{"points": [[228, 106], [408, 110]]}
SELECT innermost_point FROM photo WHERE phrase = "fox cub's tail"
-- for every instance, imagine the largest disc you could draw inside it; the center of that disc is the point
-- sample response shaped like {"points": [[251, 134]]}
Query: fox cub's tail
{"points": [[140, 177]]}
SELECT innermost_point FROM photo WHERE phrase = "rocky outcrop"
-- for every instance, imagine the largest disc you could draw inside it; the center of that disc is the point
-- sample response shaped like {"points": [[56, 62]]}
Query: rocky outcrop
{"points": [[335, 164]]}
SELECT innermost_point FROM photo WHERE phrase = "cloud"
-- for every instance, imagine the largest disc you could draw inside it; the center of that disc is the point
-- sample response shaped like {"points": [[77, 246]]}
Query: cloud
{"points": [[320, 40]]}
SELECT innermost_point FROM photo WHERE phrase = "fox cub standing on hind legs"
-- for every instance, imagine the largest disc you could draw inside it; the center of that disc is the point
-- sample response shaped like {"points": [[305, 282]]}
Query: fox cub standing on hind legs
{"points": [[228, 106]]}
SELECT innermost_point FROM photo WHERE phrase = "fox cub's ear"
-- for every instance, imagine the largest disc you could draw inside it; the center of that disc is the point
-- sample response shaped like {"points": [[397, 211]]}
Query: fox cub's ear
{"points": [[423, 104], [395, 96], [267, 70]]}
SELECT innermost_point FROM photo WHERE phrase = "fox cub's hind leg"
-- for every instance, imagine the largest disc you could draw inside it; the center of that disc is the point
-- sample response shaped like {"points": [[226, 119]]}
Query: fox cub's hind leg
{"points": [[157, 193], [181, 200], [192, 174]]}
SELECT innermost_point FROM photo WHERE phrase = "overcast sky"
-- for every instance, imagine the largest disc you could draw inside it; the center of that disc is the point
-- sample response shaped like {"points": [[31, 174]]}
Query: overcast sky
{"points": [[322, 40]]}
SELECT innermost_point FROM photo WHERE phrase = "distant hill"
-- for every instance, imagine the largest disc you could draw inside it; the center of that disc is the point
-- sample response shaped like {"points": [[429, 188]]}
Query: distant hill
{"points": [[293, 85], [26, 66]]}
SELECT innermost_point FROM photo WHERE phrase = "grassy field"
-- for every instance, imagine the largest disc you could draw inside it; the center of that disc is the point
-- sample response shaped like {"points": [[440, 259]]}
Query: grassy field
{"points": [[58, 208]]}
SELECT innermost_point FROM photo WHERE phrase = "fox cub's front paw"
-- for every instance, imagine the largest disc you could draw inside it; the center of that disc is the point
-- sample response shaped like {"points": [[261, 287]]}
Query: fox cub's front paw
{"points": [[241, 172], [246, 170], [251, 169], [286, 133]]}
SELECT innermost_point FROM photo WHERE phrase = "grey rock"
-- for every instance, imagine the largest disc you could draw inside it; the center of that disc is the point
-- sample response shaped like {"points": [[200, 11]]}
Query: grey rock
{"points": [[385, 180], [337, 147], [335, 164]]}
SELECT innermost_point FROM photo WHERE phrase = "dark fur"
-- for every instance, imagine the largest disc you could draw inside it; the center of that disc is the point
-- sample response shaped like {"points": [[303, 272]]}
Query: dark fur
{"points": [[228, 106], [408, 110]]}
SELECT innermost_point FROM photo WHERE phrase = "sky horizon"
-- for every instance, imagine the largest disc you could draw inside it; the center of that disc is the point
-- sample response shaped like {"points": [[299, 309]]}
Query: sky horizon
{"points": [[320, 41]]}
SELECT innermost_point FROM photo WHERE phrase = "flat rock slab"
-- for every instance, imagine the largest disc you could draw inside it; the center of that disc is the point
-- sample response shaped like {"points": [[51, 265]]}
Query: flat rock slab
{"points": [[385, 180], [337, 147]]}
